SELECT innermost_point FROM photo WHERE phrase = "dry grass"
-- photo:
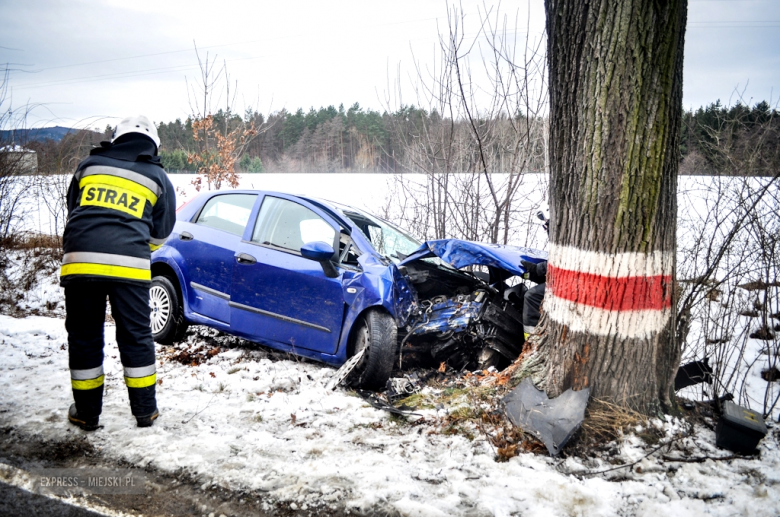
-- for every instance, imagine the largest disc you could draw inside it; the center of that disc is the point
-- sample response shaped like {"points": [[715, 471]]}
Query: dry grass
{"points": [[29, 241], [507, 440], [605, 421], [26, 260]]}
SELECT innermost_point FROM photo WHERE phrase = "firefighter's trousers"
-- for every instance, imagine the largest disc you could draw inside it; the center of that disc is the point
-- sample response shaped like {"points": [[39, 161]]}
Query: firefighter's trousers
{"points": [[85, 303], [531, 308]]}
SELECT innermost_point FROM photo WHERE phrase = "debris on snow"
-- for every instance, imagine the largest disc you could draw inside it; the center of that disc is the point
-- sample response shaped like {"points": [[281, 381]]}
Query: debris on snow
{"points": [[553, 421]]}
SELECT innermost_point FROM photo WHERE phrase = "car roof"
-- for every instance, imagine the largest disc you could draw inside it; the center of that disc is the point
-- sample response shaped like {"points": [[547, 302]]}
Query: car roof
{"points": [[331, 207], [328, 203]]}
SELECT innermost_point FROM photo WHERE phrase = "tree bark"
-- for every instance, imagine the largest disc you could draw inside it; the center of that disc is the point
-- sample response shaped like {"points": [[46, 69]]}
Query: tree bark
{"points": [[615, 70]]}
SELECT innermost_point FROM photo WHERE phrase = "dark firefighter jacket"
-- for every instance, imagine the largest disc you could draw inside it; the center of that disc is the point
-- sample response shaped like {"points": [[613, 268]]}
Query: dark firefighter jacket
{"points": [[121, 206]]}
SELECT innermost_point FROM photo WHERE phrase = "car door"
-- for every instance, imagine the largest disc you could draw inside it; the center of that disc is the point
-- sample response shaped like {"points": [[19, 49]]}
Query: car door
{"points": [[278, 295], [208, 245]]}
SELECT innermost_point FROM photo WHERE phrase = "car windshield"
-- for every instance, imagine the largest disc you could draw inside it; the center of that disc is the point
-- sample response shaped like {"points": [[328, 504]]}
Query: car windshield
{"points": [[388, 240]]}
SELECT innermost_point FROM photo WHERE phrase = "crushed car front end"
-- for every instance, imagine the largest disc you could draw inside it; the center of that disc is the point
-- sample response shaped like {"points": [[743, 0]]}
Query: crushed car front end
{"points": [[466, 317], [454, 301]]}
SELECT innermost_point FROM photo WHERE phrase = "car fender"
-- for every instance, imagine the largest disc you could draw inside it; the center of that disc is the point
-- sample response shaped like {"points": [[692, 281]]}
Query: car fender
{"points": [[377, 285], [172, 258]]}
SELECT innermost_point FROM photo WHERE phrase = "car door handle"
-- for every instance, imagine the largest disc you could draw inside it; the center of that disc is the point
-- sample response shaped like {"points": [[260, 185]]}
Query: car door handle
{"points": [[186, 236], [243, 258]]}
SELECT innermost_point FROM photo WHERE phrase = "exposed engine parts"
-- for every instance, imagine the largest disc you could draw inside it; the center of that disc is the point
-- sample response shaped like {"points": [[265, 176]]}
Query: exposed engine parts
{"points": [[465, 323]]}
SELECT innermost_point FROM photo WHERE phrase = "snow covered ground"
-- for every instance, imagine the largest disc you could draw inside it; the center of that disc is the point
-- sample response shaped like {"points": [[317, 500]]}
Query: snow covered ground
{"points": [[250, 419]]}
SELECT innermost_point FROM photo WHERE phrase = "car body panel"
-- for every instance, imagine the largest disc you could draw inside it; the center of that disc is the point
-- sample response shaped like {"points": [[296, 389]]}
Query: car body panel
{"points": [[284, 297], [170, 256], [299, 308], [208, 259], [283, 300], [300, 305], [459, 254]]}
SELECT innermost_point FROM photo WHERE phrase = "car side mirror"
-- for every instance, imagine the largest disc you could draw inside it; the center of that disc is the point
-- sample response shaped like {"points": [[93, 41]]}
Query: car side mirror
{"points": [[322, 253]]}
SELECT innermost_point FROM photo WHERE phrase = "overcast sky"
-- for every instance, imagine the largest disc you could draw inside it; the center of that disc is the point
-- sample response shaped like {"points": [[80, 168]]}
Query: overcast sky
{"points": [[89, 63]]}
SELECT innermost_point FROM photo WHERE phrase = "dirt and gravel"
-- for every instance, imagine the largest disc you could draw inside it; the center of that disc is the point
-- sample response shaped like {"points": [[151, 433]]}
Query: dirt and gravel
{"points": [[165, 494]]}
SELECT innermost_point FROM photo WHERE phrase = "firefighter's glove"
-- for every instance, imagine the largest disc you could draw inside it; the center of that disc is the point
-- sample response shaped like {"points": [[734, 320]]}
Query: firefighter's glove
{"points": [[535, 272], [529, 267]]}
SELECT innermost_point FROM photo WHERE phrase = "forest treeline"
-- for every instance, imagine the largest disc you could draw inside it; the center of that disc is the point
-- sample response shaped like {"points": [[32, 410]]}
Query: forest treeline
{"points": [[335, 139], [326, 140], [714, 139]]}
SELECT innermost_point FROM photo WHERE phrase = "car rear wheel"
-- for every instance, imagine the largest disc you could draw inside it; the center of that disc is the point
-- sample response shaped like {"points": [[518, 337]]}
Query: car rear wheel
{"points": [[377, 334], [167, 314]]}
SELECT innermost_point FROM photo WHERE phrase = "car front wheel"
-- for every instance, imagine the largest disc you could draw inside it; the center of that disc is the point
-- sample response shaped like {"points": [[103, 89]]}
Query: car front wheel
{"points": [[377, 334], [167, 316]]}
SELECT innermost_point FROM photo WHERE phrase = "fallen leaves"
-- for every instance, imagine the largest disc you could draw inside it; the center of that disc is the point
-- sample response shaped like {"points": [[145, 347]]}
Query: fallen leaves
{"points": [[193, 356], [507, 452], [488, 378]]}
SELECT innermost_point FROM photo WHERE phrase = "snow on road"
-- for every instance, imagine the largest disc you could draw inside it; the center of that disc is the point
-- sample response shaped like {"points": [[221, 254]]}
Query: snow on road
{"points": [[256, 420]]}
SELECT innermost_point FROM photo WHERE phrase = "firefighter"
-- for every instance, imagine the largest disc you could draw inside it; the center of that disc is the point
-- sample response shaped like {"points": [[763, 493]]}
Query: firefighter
{"points": [[121, 207], [532, 301]]}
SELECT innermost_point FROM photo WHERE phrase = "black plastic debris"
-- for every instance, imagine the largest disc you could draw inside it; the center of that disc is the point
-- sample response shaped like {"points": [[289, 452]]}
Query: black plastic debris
{"points": [[739, 429], [553, 421], [402, 387], [378, 403], [692, 374]]}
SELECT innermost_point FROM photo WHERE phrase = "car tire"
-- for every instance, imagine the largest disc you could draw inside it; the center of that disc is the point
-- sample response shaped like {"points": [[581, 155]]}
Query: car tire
{"points": [[167, 314], [377, 332]]}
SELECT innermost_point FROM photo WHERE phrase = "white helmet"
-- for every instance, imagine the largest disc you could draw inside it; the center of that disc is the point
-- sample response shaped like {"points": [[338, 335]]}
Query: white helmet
{"points": [[139, 124]]}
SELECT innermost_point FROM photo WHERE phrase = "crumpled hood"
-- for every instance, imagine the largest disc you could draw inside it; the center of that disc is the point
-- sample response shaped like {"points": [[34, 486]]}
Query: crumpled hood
{"points": [[459, 254]]}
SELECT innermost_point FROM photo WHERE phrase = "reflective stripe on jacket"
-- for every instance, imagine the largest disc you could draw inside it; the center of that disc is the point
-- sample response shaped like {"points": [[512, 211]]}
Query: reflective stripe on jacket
{"points": [[105, 264]]}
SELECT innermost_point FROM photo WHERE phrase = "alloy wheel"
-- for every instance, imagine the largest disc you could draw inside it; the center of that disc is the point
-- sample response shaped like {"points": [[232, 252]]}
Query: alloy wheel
{"points": [[160, 305]]}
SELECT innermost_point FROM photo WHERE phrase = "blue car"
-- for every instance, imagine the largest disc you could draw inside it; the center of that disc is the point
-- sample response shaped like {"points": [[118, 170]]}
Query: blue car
{"points": [[327, 281]]}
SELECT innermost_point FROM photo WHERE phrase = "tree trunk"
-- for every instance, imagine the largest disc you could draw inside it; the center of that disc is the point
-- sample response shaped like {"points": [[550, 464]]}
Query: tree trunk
{"points": [[615, 71]]}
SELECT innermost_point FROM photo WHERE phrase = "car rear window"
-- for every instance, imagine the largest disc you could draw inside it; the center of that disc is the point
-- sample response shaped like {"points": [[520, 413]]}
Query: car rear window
{"points": [[227, 212]]}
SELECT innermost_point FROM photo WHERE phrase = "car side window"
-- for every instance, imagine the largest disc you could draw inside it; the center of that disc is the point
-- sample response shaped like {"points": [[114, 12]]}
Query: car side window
{"points": [[227, 212], [288, 225]]}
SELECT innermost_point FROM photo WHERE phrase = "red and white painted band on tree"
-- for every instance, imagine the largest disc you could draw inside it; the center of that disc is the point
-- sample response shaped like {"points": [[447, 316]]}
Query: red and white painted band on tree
{"points": [[624, 294]]}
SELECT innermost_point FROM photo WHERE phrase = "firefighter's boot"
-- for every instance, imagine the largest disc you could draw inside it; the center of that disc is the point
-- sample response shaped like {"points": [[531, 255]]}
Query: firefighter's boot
{"points": [[148, 420], [88, 424]]}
